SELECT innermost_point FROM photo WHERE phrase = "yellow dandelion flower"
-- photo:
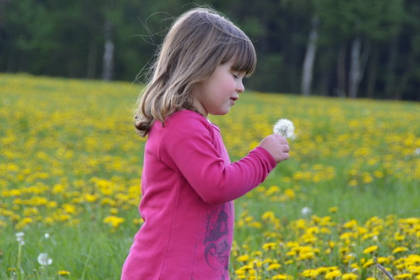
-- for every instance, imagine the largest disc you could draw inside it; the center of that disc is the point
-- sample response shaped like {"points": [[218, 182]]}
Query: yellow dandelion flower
{"points": [[63, 273], [243, 258], [269, 215], [367, 178], [333, 274], [399, 250], [414, 269], [90, 197], [273, 266], [310, 273], [349, 276], [272, 190], [378, 174], [370, 249], [289, 193], [114, 221], [280, 277], [350, 224], [403, 276], [333, 209], [399, 237], [384, 260], [368, 263], [269, 246], [69, 208], [257, 253], [22, 223], [353, 183], [322, 269]]}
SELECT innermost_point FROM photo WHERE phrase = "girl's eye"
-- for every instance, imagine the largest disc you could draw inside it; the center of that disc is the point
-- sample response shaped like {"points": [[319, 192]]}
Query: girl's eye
{"points": [[235, 76]]}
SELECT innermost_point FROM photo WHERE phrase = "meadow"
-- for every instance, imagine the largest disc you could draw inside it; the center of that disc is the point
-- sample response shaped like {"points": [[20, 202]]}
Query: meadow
{"points": [[346, 203]]}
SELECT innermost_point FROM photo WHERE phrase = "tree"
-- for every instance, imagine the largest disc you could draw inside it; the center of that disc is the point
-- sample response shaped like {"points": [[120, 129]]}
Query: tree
{"points": [[308, 64], [356, 24]]}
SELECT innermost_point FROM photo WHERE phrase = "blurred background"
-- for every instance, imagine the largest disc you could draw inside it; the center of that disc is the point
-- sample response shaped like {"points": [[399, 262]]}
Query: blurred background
{"points": [[357, 48]]}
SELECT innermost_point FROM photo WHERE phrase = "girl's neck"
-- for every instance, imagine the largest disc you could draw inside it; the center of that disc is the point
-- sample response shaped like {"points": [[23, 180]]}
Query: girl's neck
{"points": [[199, 108]]}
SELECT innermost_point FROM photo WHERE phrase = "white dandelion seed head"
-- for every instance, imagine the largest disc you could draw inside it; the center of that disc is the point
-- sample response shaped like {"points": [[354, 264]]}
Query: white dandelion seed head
{"points": [[46, 235], [19, 238], [417, 152], [44, 260], [285, 128], [306, 211]]}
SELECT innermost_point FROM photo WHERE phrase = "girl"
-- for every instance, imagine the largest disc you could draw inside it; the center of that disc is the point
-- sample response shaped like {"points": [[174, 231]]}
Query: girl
{"points": [[188, 181]]}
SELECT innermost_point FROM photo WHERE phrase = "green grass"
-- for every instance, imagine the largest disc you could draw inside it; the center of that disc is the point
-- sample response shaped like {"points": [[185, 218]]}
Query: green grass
{"points": [[70, 133]]}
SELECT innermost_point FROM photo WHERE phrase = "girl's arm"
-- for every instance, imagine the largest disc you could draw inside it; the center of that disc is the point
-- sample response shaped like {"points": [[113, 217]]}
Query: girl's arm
{"points": [[189, 146]]}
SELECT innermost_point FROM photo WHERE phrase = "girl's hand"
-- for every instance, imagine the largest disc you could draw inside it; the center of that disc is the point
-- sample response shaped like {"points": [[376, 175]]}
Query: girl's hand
{"points": [[277, 146]]}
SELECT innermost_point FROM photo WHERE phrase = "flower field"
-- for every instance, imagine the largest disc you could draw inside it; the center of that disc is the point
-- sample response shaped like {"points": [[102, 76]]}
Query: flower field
{"points": [[346, 205]]}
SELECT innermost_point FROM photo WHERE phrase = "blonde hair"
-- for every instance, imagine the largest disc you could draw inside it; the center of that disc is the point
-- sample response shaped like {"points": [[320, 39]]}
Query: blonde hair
{"points": [[198, 41]]}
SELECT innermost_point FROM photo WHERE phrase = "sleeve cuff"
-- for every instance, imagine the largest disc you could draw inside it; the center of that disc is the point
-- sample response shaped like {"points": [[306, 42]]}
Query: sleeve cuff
{"points": [[267, 156]]}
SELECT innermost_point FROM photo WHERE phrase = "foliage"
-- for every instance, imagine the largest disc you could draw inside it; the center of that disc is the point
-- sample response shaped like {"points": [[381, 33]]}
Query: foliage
{"points": [[67, 39]]}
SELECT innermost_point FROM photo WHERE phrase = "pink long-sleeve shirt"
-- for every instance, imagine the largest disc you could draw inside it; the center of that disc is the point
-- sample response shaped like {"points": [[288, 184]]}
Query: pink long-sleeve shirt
{"points": [[188, 187]]}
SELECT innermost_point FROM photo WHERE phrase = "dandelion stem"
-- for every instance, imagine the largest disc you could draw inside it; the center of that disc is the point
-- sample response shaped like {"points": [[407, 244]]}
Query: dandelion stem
{"points": [[381, 268], [19, 256]]}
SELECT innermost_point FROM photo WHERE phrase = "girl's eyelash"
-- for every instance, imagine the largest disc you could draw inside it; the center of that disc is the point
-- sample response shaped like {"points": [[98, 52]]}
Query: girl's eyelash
{"points": [[235, 76]]}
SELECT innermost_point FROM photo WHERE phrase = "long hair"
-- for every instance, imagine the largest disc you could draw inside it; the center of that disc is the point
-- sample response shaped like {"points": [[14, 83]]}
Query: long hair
{"points": [[197, 42]]}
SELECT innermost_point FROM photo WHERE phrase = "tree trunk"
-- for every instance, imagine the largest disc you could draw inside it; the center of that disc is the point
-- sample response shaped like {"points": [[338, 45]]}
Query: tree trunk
{"points": [[354, 75], [341, 72], [108, 52], [357, 66], [308, 64]]}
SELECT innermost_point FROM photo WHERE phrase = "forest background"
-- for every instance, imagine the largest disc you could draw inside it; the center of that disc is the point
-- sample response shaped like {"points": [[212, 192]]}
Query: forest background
{"points": [[358, 48]]}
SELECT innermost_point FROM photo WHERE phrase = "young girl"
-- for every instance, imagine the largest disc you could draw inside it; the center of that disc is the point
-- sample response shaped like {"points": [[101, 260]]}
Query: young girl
{"points": [[188, 181]]}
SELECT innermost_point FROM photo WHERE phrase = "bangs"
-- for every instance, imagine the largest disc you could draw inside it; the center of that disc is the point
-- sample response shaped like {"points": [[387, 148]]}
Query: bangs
{"points": [[242, 53]]}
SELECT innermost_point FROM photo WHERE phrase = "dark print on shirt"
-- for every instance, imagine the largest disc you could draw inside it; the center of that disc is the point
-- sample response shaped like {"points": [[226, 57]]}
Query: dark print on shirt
{"points": [[216, 240]]}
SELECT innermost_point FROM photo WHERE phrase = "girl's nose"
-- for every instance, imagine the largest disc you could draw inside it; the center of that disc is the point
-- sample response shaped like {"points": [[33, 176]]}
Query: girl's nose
{"points": [[240, 87]]}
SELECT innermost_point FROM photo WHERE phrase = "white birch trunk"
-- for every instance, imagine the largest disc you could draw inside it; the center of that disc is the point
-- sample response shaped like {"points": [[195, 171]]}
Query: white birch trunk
{"points": [[108, 59], [357, 66], [308, 63]]}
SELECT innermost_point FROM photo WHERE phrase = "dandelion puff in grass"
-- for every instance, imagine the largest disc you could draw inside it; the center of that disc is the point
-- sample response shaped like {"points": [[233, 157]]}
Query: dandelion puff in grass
{"points": [[19, 238], [306, 211], [44, 260], [285, 128]]}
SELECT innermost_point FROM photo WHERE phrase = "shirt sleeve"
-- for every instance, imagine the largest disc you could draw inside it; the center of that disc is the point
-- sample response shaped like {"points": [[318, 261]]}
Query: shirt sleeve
{"points": [[189, 146]]}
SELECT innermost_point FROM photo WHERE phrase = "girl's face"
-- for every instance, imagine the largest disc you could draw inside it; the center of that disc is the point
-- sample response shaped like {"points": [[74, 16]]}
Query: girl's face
{"points": [[219, 92]]}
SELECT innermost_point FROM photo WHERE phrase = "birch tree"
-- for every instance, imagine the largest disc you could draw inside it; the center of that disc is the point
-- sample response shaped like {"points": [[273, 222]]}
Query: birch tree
{"points": [[308, 63]]}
